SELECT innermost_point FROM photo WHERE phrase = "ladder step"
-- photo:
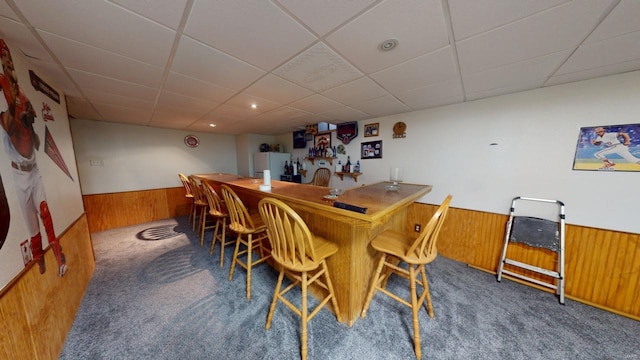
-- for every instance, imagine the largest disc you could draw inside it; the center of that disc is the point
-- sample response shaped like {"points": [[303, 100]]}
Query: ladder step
{"points": [[537, 269]]}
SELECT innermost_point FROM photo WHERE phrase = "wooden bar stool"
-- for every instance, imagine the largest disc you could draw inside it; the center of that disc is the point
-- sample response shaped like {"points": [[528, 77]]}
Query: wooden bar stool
{"points": [[251, 232], [188, 193], [302, 256], [219, 212], [199, 206], [416, 253]]}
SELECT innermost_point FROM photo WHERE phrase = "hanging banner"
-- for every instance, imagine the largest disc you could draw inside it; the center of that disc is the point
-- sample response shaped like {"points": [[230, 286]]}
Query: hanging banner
{"points": [[347, 131]]}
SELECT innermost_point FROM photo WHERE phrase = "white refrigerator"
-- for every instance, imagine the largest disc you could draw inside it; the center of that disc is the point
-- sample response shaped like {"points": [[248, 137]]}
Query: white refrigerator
{"points": [[272, 161]]}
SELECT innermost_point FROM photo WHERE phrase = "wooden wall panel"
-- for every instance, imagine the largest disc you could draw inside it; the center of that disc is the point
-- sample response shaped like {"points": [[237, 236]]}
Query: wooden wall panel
{"points": [[37, 310], [602, 267], [113, 210]]}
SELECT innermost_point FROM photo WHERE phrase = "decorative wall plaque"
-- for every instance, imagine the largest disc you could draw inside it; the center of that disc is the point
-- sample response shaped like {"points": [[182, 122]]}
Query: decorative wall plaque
{"points": [[399, 130]]}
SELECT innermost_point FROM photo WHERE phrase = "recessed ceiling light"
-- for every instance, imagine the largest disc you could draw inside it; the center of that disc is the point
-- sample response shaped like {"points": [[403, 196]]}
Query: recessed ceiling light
{"points": [[212, 125], [388, 45], [254, 106]]}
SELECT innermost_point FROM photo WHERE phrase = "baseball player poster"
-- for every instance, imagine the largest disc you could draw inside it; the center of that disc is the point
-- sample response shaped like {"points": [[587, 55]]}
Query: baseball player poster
{"points": [[40, 196], [608, 148]]}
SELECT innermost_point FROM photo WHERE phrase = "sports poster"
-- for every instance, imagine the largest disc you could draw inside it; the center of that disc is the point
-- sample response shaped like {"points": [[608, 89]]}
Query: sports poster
{"points": [[608, 148], [40, 196]]}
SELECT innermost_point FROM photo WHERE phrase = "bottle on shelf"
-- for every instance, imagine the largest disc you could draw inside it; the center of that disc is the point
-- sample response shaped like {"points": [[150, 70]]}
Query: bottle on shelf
{"points": [[357, 167], [298, 165], [339, 166], [347, 166], [286, 167]]}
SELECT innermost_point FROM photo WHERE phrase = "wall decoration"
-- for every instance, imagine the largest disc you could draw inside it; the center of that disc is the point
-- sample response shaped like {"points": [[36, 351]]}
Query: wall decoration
{"points": [[347, 131], [30, 215], [399, 130], [322, 143], [191, 141], [299, 139], [43, 87], [608, 148], [371, 150], [371, 129]]}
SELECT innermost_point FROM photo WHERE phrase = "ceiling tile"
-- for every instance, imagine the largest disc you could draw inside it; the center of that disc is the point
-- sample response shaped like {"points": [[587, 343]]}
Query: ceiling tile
{"points": [[278, 90], [623, 19], [318, 68], [140, 33], [166, 12], [245, 101], [172, 119], [199, 61], [356, 91], [469, 18], [594, 73], [530, 73], [322, 17], [7, 11], [433, 95], [123, 114], [386, 105], [358, 41], [113, 99], [344, 114], [79, 56], [81, 109], [560, 28], [21, 37], [257, 32], [226, 111], [197, 88], [602, 53], [316, 104], [89, 81], [169, 101], [431, 68]]}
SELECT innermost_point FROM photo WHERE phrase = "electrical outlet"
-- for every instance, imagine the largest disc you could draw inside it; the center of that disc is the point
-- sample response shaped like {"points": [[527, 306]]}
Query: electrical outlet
{"points": [[417, 227]]}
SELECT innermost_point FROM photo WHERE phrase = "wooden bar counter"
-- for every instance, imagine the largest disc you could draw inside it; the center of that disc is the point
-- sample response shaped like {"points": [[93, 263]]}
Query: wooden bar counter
{"points": [[352, 267]]}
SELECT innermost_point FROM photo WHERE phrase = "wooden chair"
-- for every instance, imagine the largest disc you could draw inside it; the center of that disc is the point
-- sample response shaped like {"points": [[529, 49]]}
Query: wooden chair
{"points": [[416, 253], [200, 205], [220, 213], [302, 256], [321, 177], [245, 225], [188, 193]]}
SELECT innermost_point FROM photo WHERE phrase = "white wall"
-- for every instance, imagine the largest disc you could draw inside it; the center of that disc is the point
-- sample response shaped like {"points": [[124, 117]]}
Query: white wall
{"points": [[536, 132], [138, 157]]}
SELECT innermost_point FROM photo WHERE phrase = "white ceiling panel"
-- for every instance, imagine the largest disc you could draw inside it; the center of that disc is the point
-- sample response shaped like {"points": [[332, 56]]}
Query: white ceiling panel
{"points": [[278, 90], [197, 88], [184, 64], [82, 57], [317, 69], [474, 17], [130, 35], [200, 61], [431, 68], [540, 34], [166, 12], [322, 16], [418, 25], [257, 31]]}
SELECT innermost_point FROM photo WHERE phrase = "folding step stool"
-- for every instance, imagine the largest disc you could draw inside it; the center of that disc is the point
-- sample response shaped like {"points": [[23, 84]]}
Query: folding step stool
{"points": [[536, 232]]}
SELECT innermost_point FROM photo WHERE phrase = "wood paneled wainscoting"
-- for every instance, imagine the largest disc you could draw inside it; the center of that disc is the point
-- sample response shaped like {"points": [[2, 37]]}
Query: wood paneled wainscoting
{"points": [[37, 310], [114, 210], [602, 267]]}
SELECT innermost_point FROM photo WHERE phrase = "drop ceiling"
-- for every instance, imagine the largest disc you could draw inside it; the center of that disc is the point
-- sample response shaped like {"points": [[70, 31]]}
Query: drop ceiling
{"points": [[186, 64]]}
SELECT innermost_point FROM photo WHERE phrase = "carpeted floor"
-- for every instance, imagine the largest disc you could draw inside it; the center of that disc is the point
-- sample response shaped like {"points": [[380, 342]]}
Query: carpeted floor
{"points": [[156, 294]]}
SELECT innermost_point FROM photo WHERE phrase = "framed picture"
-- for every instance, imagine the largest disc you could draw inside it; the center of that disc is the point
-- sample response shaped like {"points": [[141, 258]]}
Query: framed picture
{"points": [[608, 148], [299, 139], [371, 129], [371, 150], [322, 141]]}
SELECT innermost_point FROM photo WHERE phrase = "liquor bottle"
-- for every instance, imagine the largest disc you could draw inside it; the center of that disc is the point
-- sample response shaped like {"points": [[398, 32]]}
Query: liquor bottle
{"points": [[357, 168], [286, 167], [298, 165], [348, 164], [339, 167]]}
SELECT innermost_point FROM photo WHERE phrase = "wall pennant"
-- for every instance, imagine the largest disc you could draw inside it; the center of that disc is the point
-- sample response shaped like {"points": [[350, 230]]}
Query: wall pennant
{"points": [[43, 87], [347, 131]]}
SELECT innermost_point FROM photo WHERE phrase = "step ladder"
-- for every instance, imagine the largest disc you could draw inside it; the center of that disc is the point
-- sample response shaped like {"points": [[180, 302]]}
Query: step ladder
{"points": [[536, 232]]}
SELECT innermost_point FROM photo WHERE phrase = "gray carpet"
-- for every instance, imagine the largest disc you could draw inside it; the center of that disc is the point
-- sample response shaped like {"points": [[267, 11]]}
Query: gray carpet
{"points": [[156, 294]]}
